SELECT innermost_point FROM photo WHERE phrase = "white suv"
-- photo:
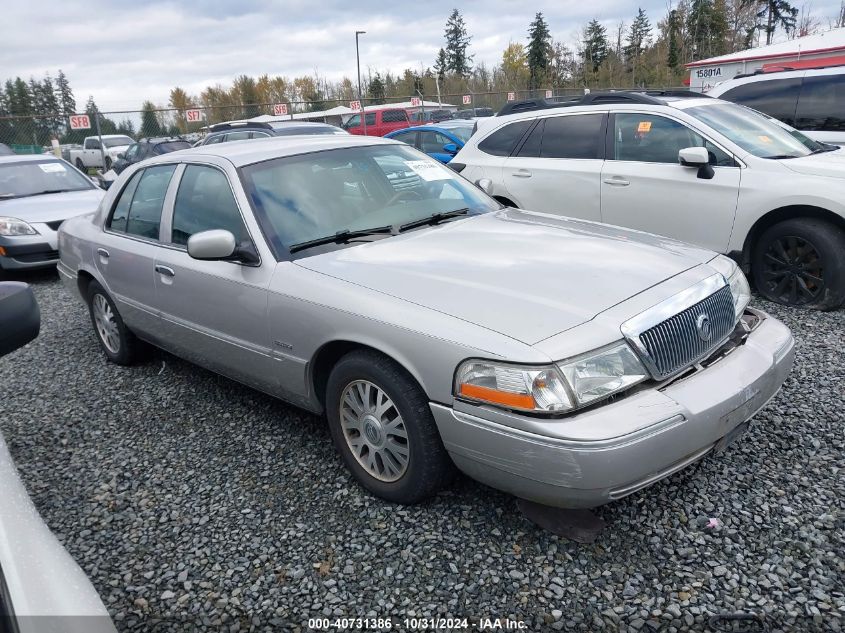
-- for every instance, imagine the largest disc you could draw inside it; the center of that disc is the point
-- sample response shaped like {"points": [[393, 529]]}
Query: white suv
{"points": [[682, 165], [812, 101]]}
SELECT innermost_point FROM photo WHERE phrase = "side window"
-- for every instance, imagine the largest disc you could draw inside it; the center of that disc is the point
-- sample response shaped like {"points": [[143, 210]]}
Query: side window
{"points": [[502, 141], [432, 142], [92, 143], [354, 121], [821, 105], [775, 97], [132, 152], [647, 138], [205, 201], [214, 139], [531, 147], [259, 135], [574, 136], [145, 211], [238, 136], [370, 118], [117, 221], [393, 116], [405, 137]]}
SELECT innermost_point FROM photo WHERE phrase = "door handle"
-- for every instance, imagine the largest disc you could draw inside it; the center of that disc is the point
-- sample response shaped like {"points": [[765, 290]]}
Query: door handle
{"points": [[521, 173], [103, 253], [164, 270], [616, 181]]}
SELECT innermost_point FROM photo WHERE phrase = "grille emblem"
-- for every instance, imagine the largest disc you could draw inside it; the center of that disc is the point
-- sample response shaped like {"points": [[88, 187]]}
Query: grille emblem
{"points": [[702, 326]]}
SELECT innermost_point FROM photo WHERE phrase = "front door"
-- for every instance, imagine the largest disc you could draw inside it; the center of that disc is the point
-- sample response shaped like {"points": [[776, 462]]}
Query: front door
{"points": [[213, 312], [558, 167], [126, 254], [644, 186]]}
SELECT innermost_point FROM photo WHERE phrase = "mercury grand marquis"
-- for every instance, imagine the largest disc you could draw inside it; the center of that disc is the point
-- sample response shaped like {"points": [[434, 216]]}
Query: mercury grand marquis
{"points": [[563, 361]]}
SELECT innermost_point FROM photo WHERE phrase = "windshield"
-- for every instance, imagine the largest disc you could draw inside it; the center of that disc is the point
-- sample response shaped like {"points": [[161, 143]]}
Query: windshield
{"points": [[301, 198], [752, 131], [30, 178], [117, 141], [463, 132], [172, 146]]}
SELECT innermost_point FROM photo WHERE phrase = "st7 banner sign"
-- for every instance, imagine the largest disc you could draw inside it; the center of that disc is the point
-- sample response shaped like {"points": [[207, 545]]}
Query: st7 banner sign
{"points": [[80, 122]]}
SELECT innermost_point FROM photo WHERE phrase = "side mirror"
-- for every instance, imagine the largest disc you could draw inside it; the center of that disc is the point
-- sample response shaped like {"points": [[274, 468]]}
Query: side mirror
{"points": [[122, 156], [485, 184], [211, 245], [697, 157], [20, 318], [450, 148]]}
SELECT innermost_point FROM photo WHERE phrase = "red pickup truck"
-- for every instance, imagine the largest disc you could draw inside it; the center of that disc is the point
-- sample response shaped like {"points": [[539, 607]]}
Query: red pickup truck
{"points": [[378, 122]]}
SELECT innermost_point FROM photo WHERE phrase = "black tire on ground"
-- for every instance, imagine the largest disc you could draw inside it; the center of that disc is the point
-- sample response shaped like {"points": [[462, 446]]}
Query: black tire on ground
{"points": [[429, 467], [123, 348], [108, 163], [81, 166], [801, 262]]}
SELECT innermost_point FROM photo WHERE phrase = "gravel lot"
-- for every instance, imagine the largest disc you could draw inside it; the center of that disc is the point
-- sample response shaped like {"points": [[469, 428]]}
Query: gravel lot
{"points": [[188, 497]]}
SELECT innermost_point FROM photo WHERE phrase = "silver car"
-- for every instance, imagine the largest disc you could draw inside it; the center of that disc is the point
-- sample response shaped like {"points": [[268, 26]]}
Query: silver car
{"points": [[563, 361], [37, 194]]}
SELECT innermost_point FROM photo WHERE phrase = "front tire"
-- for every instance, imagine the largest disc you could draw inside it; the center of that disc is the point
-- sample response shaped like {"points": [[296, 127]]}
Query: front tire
{"points": [[382, 426], [116, 340], [81, 166], [800, 263], [108, 164]]}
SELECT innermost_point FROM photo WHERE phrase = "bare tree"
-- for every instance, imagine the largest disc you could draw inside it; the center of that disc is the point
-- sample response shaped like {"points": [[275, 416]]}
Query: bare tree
{"points": [[807, 22]]}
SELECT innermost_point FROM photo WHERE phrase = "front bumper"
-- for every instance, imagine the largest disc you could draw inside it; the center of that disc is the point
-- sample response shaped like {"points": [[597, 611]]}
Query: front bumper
{"points": [[23, 252], [569, 462]]}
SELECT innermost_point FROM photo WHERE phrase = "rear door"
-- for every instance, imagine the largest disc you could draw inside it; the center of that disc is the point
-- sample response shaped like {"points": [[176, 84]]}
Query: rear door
{"points": [[644, 187], [126, 254], [557, 169], [488, 157], [213, 312]]}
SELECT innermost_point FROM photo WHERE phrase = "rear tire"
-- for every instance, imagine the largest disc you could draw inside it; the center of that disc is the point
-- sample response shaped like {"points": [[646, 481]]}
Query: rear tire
{"points": [[81, 166], [801, 263], [116, 340], [388, 438], [108, 164]]}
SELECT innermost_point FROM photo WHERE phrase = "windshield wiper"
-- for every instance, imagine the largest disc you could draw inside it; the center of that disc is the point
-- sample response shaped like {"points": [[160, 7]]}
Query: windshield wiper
{"points": [[7, 195], [340, 237], [433, 219], [780, 156]]}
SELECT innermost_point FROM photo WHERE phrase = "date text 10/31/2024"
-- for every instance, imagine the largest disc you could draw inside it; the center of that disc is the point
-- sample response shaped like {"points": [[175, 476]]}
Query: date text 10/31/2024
{"points": [[417, 624]]}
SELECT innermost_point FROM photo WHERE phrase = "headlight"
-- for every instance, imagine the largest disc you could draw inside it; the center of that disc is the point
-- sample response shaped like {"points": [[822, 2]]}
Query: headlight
{"points": [[553, 389], [602, 373], [13, 226], [740, 289]]}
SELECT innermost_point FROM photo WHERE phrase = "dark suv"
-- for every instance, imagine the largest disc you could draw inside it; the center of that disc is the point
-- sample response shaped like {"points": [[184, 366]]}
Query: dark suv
{"points": [[147, 148], [243, 130]]}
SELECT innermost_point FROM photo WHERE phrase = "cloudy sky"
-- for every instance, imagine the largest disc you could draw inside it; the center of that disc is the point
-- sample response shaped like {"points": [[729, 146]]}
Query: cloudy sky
{"points": [[125, 51]]}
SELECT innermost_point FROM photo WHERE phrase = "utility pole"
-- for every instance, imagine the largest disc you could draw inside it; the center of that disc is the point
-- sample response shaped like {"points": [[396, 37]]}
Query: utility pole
{"points": [[360, 95], [100, 136]]}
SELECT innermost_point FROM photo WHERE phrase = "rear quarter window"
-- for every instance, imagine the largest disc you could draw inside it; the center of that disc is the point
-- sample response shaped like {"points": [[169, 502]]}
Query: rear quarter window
{"points": [[503, 141], [821, 105], [776, 97]]}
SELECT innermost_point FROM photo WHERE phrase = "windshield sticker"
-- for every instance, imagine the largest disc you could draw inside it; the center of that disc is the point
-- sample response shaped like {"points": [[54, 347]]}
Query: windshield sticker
{"points": [[764, 138], [644, 126], [51, 168], [428, 170]]}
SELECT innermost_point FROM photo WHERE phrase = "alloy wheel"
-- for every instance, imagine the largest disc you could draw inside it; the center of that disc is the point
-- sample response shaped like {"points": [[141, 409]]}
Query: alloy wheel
{"points": [[374, 430], [793, 270], [107, 329]]}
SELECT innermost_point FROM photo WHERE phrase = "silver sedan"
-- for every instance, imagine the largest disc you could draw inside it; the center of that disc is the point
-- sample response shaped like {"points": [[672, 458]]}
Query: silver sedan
{"points": [[563, 361]]}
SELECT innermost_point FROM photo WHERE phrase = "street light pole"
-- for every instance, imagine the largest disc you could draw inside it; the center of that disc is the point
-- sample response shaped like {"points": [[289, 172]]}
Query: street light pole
{"points": [[360, 97]]}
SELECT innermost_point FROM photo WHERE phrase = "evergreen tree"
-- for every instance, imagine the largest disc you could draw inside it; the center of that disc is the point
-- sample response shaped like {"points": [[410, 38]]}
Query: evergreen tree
{"points": [[539, 51], [595, 46], [127, 127], [638, 38], [776, 13], [707, 28], [376, 89], [149, 121], [673, 55], [441, 66], [65, 95], [457, 42]]}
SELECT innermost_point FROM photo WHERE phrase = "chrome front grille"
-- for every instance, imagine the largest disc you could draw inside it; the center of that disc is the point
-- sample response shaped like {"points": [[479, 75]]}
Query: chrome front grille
{"points": [[684, 329], [678, 341]]}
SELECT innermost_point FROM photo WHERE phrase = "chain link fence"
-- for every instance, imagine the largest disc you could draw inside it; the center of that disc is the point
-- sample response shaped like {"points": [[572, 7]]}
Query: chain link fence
{"points": [[35, 133]]}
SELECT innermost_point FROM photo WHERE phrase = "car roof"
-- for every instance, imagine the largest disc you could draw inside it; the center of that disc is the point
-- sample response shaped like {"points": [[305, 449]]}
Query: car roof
{"points": [[247, 152], [26, 158]]}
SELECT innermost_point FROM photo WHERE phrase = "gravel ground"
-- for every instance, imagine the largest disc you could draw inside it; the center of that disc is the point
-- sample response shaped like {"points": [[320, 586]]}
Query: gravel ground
{"points": [[187, 497]]}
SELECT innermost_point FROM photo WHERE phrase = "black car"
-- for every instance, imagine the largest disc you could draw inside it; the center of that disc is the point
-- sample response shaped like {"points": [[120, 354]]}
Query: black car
{"points": [[147, 148], [242, 130], [472, 113]]}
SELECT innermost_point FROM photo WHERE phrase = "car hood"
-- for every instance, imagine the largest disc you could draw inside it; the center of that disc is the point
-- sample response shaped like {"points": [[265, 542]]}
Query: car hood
{"points": [[830, 164], [526, 275], [52, 206]]}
